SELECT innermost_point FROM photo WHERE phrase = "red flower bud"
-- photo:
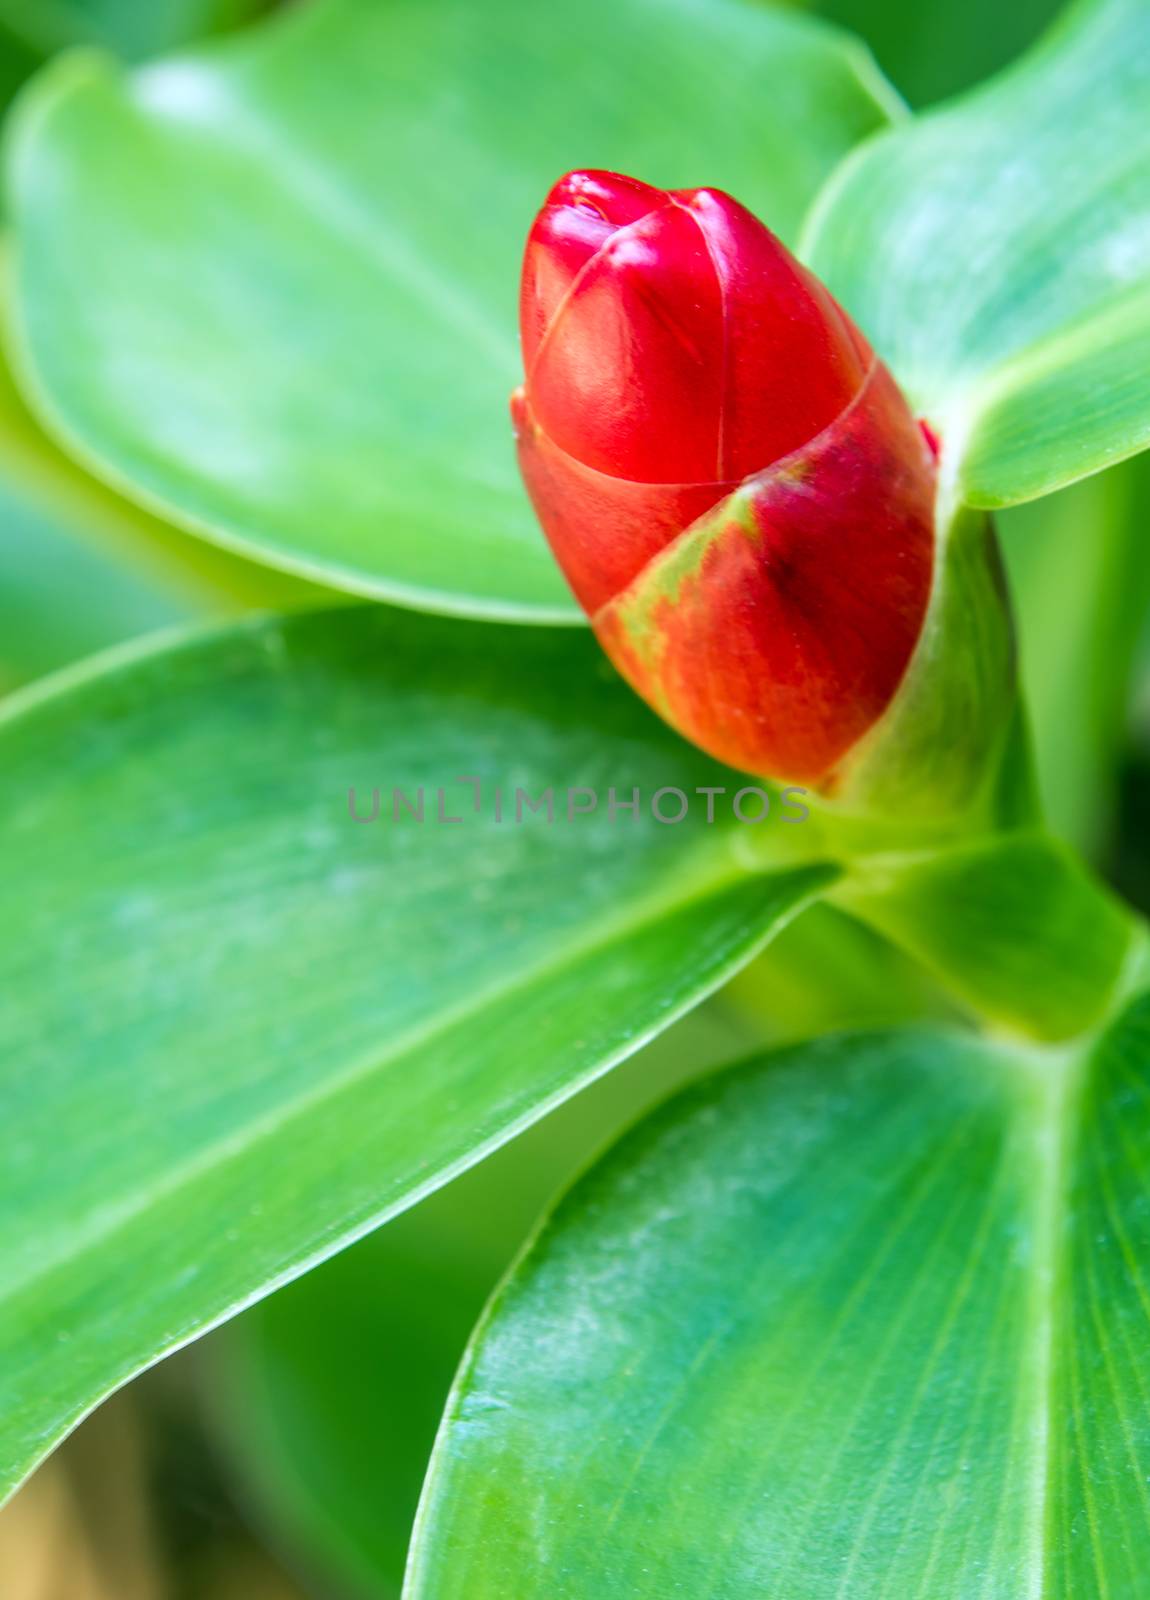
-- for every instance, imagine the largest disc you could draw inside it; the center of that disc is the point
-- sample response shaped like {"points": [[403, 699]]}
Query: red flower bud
{"points": [[732, 483]]}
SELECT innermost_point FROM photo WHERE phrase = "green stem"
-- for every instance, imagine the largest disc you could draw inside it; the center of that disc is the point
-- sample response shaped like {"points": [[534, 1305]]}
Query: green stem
{"points": [[1007, 917], [1013, 924], [1003, 915]]}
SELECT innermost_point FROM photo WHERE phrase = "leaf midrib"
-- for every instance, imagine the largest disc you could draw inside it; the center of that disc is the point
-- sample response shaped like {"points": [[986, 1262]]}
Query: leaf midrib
{"points": [[1056, 1080], [106, 1222]]}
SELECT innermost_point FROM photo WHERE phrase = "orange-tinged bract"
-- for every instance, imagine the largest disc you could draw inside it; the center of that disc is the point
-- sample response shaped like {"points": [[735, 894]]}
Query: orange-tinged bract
{"points": [[732, 483]]}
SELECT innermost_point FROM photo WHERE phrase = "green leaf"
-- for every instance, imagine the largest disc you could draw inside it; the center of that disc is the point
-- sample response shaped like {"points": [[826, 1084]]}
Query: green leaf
{"points": [[81, 568], [238, 1029], [328, 1394], [868, 1318], [270, 287], [59, 600], [996, 253]]}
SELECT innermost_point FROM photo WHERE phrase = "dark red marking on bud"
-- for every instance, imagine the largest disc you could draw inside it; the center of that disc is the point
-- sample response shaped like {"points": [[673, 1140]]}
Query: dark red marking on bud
{"points": [[932, 437]]}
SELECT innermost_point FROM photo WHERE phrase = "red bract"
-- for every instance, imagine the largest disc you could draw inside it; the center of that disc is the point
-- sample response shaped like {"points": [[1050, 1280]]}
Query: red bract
{"points": [[730, 480]]}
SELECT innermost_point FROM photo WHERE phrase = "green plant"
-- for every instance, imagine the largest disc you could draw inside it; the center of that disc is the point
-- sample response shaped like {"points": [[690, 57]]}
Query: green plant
{"points": [[864, 1316]]}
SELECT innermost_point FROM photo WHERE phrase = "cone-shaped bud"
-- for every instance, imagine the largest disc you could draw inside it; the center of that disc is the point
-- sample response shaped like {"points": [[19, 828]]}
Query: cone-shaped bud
{"points": [[733, 484]]}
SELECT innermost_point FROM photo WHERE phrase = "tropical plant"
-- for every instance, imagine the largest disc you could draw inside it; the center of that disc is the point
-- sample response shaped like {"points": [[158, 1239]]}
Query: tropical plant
{"points": [[303, 920]]}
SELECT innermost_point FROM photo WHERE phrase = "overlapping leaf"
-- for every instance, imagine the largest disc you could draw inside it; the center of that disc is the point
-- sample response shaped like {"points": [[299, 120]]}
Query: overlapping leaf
{"points": [[997, 251], [271, 287], [237, 1028], [869, 1318], [82, 568], [329, 1393]]}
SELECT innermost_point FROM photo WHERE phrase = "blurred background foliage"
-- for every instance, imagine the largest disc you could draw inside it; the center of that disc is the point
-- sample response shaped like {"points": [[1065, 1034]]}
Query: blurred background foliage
{"points": [[33, 30], [283, 1457], [930, 52]]}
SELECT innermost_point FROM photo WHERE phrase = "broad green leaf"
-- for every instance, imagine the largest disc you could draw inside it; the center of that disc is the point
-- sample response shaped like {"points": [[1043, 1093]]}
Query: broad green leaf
{"points": [[59, 600], [270, 287], [82, 568], [867, 1318], [997, 252], [238, 1028], [328, 1394]]}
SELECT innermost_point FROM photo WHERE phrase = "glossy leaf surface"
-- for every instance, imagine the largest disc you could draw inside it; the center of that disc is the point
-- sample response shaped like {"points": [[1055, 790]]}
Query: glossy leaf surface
{"points": [[82, 568], [271, 286], [238, 1028], [997, 253], [866, 1318], [329, 1393]]}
